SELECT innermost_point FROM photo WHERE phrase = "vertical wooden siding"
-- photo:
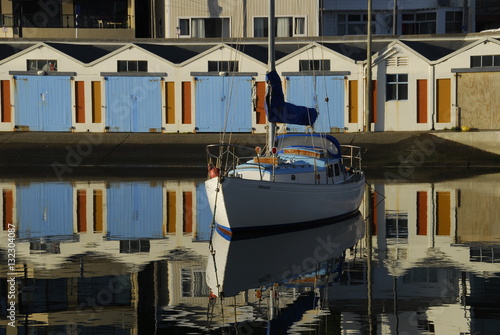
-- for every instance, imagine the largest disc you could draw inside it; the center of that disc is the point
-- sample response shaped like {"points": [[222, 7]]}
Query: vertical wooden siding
{"points": [[422, 101], [6, 111], [187, 209], [443, 100], [260, 109], [81, 210], [422, 213], [443, 224], [353, 101], [98, 211], [170, 102], [374, 102], [80, 101], [186, 102], [171, 212], [96, 102], [8, 208]]}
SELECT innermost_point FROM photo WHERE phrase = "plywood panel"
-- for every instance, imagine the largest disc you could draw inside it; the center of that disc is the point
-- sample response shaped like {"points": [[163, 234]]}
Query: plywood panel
{"points": [[186, 102], [260, 99], [422, 101], [96, 102], [353, 101], [443, 204], [443, 100], [170, 102], [422, 213], [478, 100], [6, 109]]}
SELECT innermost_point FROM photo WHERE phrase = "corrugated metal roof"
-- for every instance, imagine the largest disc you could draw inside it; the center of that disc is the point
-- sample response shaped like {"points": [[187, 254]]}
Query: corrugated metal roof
{"points": [[85, 53]]}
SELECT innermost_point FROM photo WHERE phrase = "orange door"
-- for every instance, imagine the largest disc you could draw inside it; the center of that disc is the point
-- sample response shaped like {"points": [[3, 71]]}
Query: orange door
{"points": [[422, 213], [422, 101], [80, 101], [5, 96], [443, 103], [353, 101], [260, 108], [96, 102], [186, 102], [170, 102]]}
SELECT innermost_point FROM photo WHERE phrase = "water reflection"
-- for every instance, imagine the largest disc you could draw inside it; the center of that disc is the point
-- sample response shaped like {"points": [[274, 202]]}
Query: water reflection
{"points": [[130, 257]]}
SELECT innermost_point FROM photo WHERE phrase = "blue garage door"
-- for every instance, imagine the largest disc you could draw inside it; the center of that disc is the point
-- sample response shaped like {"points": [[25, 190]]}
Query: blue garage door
{"points": [[326, 93], [133, 104], [43, 103], [223, 103], [44, 210], [135, 210]]}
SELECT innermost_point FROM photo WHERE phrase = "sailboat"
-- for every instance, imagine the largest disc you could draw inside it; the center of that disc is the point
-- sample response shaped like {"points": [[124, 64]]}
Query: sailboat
{"points": [[298, 181]]}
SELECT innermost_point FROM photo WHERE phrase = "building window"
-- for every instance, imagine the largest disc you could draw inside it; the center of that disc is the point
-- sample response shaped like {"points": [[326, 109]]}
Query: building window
{"points": [[204, 27], [285, 27], [132, 66], [419, 23], [353, 24], [314, 65], [47, 65], [453, 22], [397, 87], [485, 61], [223, 66]]}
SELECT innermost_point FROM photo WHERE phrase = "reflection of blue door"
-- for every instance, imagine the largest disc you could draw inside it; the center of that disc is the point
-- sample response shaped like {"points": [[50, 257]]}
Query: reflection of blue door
{"points": [[134, 104], [203, 213], [45, 209], [43, 103], [326, 93], [135, 210], [223, 103]]}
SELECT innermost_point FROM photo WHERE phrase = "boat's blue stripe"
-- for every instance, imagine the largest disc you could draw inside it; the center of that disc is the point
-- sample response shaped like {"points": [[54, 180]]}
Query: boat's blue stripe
{"points": [[232, 234]]}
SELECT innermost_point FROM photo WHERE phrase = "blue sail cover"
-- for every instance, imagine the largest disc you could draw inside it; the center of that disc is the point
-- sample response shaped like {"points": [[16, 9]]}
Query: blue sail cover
{"points": [[280, 111]]}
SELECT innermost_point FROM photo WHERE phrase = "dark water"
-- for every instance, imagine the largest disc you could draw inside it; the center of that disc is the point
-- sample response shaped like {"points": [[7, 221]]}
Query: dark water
{"points": [[130, 256]]}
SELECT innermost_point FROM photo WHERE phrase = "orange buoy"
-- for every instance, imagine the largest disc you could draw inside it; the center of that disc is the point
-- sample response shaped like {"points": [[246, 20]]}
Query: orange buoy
{"points": [[213, 171]]}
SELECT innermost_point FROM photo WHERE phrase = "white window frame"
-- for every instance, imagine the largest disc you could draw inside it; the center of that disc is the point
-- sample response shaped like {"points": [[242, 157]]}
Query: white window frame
{"points": [[190, 18]]}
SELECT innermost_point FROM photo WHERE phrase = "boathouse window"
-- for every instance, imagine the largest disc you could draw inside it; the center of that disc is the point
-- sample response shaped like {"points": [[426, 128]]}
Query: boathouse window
{"points": [[397, 87], [314, 65], [203, 27], [419, 23], [223, 66], [47, 65], [132, 66], [485, 61], [285, 26]]}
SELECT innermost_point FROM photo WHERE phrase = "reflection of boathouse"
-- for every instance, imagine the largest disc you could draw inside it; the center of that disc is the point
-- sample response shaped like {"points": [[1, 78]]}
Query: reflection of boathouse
{"points": [[99, 269]]}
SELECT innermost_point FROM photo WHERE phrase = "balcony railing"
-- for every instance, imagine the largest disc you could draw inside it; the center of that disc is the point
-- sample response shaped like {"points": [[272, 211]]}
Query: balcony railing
{"points": [[69, 21]]}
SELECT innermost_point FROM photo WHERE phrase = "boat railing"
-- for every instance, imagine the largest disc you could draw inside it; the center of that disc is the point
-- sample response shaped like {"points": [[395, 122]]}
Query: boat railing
{"points": [[226, 157], [351, 155]]}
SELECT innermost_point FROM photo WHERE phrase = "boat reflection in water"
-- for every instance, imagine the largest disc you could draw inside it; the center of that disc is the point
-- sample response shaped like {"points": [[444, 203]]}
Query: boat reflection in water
{"points": [[127, 256], [244, 263]]}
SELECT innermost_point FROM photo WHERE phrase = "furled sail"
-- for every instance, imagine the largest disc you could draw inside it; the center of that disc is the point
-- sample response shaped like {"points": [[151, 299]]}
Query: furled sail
{"points": [[280, 111]]}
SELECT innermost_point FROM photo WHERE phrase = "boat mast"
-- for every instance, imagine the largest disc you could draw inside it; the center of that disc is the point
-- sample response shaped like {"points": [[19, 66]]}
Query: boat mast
{"points": [[368, 91], [270, 67]]}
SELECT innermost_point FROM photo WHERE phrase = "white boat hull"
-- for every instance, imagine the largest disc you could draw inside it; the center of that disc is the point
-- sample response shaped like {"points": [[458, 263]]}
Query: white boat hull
{"points": [[245, 205]]}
